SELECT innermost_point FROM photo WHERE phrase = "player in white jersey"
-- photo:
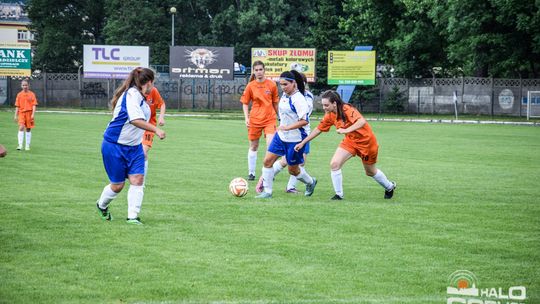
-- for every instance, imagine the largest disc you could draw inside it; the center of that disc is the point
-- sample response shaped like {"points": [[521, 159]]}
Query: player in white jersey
{"points": [[122, 152], [293, 116], [282, 163]]}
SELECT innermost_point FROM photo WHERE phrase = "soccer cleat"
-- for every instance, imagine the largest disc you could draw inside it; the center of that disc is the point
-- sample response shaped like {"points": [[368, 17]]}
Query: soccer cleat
{"points": [[264, 195], [389, 193], [292, 190], [27, 148], [260, 187], [134, 221], [311, 187], [251, 177], [336, 198], [19, 148], [104, 213]]}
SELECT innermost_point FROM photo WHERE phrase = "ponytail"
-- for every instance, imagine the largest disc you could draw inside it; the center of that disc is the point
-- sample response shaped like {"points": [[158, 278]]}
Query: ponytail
{"points": [[137, 78], [295, 76], [334, 97]]}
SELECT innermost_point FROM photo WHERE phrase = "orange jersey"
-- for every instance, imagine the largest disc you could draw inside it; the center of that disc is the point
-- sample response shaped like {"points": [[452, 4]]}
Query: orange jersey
{"points": [[263, 96], [26, 101], [155, 102], [362, 137]]}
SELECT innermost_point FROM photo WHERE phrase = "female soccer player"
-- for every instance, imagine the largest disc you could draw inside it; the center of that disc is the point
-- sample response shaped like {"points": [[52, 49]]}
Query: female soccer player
{"points": [[121, 149], [155, 102], [262, 93], [293, 112], [359, 141], [25, 111]]}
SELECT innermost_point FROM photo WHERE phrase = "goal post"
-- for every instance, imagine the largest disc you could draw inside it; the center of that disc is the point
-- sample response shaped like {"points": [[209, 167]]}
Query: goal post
{"points": [[533, 104]]}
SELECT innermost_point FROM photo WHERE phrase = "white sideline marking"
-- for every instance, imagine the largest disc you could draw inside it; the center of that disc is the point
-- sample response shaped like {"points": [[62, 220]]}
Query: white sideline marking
{"points": [[445, 121]]}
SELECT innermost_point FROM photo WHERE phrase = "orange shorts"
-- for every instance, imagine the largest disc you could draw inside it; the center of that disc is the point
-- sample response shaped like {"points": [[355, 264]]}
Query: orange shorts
{"points": [[25, 119], [368, 154], [148, 138], [254, 133]]}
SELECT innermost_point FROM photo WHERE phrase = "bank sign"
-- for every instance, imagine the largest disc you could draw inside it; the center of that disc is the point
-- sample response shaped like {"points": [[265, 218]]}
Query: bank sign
{"points": [[113, 61], [15, 59], [201, 62]]}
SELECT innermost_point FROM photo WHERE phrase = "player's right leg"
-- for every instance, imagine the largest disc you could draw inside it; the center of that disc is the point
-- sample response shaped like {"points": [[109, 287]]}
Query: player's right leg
{"points": [[340, 157]]}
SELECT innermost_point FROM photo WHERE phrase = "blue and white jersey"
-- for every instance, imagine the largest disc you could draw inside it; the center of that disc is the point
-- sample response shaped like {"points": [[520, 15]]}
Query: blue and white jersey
{"points": [[309, 99], [292, 109], [130, 106]]}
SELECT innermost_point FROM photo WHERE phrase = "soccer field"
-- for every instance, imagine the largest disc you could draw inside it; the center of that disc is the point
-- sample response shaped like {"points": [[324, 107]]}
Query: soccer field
{"points": [[467, 199]]}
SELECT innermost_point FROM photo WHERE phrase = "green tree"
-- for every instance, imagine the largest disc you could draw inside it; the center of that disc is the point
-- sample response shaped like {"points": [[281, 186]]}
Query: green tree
{"points": [[61, 28]]}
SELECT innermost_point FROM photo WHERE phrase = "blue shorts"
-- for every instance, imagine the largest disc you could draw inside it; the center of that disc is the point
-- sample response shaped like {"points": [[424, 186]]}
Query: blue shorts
{"points": [[121, 161], [306, 148], [279, 147]]}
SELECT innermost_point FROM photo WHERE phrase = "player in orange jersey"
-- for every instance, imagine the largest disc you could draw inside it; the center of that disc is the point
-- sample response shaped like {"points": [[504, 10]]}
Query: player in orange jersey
{"points": [[25, 111], [154, 100], [359, 141], [262, 93]]}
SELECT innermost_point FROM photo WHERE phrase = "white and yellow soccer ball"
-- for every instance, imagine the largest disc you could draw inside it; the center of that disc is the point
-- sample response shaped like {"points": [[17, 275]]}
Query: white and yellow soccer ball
{"points": [[238, 187]]}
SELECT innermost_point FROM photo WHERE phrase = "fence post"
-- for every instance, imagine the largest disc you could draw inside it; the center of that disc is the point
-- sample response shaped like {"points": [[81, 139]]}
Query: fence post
{"points": [[45, 87], [221, 97], [418, 104], [380, 94], [179, 93], [462, 93], [193, 95], [492, 95], [433, 96], [520, 93]]}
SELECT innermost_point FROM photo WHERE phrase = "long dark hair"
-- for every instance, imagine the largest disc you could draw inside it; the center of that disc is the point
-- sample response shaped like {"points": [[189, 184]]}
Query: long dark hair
{"points": [[334, 97], [256, 63], [295, 76], [137, 78]]}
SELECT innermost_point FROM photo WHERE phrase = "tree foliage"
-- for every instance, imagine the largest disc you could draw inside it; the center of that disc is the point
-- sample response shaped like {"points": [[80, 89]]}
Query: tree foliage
{"points": [[416, 38]]}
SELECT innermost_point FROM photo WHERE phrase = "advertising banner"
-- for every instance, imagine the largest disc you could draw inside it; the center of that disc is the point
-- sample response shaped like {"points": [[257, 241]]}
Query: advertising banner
{"points": [[113, 61], [201, 62], [351, 67], [279, 60], [15, 59]]}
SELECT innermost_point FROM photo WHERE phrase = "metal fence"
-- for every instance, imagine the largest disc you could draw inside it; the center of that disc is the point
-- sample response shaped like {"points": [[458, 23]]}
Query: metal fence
{"points": [[466, 95]]}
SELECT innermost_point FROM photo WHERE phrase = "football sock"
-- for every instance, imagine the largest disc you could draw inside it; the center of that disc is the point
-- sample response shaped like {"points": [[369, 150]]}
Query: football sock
{"points": [[135, 197], [292, 182], [337, 181], [145, 172], [382, 180], [252, 161], [107, 195], [304, 177], [20, 137], [268, 179], [28, 138], [277, 167]]}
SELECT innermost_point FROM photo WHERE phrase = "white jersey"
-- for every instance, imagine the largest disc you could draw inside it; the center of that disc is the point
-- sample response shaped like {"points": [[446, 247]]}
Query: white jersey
{"points": [[309, 99], [291, 110], [130, 106]]}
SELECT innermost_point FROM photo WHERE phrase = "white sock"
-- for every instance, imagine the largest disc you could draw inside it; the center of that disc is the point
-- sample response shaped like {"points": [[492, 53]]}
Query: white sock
{"points": [[304, 177], [277, 167], [107, 195], [135, 197], [28, 138], [20, 137], [252, 161], [292, 182], [337, 181], [268, 179], [382, 180], [145, 172]]}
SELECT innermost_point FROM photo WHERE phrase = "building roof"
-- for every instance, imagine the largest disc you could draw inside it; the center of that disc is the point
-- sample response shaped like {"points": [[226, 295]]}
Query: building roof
{"points": [[13, 13]]}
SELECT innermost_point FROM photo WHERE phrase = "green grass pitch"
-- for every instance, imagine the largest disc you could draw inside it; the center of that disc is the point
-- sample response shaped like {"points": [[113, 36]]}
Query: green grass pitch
{"points": [[467, 198]]}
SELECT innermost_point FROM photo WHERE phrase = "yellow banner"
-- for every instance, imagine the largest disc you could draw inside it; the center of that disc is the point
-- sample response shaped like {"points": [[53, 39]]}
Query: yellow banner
{"points": [[351, 67], [279, 60]]}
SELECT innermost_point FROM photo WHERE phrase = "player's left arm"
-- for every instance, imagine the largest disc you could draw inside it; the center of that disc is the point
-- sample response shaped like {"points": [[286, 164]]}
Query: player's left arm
{"points": [[355, 126], [162, 109], [33, 111]]}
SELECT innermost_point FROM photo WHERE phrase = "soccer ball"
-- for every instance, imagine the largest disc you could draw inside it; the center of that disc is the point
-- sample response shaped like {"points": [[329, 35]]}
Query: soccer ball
{"points": [[238, 187], [3, 151]]}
